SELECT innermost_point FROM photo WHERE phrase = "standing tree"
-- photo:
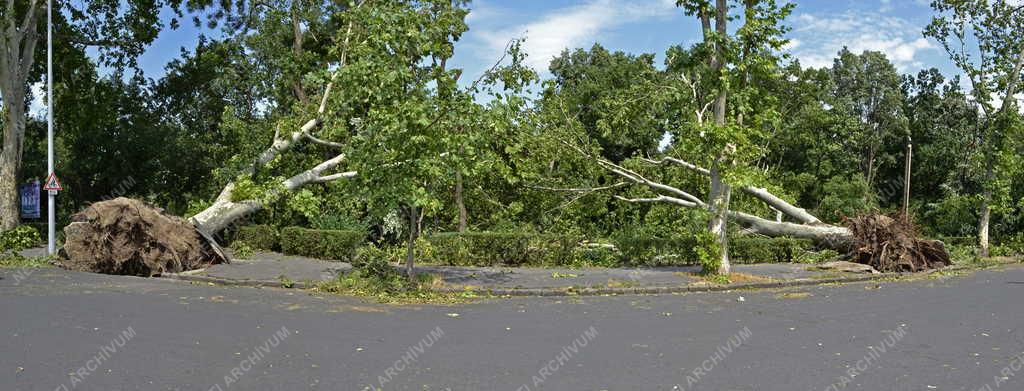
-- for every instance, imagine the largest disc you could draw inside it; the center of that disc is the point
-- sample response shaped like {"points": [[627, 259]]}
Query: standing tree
{"points": [[119, 30], [994, 31], [867, 87]]}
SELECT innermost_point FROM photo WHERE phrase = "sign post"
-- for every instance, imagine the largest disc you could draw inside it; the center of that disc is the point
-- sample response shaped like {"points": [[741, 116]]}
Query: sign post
{"points": [[51, 208]]}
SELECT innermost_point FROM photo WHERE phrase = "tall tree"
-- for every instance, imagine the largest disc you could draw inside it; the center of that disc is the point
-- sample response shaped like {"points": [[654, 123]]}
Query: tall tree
{"points": [[613, 97], [994, 30], [120, 31], [867, 87]]}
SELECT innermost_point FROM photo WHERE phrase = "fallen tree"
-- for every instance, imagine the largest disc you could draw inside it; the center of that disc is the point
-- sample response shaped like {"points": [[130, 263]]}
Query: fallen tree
{"points": [[125, 236], [130, 237], [382, 98], [888, 244]]}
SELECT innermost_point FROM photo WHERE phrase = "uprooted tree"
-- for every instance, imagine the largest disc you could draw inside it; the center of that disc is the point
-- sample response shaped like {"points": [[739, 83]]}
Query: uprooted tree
{"points": [[720, 118], [886, 243], [381, 99]]}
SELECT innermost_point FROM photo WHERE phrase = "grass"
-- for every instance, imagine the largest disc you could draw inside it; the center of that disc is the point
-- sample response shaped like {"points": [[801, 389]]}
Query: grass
{"points": [[395, 289], [719, 279], [18, 261]]}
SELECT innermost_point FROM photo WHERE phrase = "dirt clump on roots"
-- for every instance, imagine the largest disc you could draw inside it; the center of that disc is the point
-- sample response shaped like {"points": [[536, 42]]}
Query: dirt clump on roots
{"points": [[892, 244], [129, 237]]}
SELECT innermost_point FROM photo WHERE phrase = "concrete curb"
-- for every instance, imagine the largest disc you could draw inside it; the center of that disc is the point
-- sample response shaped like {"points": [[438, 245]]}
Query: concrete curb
{"points": [[194, 276], [655, 290], [190, 276], [555, 291]]}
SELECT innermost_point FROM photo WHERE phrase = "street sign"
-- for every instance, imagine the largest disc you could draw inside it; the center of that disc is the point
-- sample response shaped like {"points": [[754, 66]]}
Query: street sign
{"points": [[52, 183], [29, 200]]}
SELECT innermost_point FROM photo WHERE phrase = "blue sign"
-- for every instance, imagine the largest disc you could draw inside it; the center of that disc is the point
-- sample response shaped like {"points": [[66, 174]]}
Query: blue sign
{"points": [[29, 200]]}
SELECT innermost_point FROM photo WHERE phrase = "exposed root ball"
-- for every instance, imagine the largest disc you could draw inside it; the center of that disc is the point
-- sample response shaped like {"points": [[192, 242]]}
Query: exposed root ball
{"points": [[892, 245], [129, 237]]}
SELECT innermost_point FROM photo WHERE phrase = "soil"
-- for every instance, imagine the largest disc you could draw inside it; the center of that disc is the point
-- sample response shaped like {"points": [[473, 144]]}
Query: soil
{"points": [[129, 237], [892, 244]]}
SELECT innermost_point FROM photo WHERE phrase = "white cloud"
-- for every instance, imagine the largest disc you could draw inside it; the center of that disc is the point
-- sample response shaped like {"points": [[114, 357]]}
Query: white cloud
{"points": [[569, 27], [822, 36]]}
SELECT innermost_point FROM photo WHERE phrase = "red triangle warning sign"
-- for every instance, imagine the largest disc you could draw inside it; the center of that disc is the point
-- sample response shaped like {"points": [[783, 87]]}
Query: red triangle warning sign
{"points": [[52, 183]]}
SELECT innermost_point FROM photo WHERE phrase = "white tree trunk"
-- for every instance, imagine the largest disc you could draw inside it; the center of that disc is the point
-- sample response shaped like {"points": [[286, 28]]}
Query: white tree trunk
{"points": [[18, 38], [807, 227], [718, 225], [225, 211]]}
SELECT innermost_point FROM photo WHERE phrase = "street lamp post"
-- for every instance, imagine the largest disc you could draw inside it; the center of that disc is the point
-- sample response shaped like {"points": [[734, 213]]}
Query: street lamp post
{"points": [[52, 195]]}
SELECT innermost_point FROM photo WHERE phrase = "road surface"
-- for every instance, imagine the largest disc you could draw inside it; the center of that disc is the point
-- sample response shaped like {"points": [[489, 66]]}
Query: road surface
{"points": [[61, 330]]}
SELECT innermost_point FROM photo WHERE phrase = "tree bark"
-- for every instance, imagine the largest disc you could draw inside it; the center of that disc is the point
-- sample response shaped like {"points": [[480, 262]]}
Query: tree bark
{"points": [[224, 212], [19, 39], [463, 218], [297, 89], [10, 163], [410, 251], [985, 212], [807, 226], [718, 204]]}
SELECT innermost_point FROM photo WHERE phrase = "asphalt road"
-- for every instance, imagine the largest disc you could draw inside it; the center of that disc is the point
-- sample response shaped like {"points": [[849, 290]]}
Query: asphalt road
{"points": [[71, 331]]}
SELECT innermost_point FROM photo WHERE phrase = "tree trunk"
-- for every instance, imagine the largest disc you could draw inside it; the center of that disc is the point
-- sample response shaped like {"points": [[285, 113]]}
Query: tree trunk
{"points": [[718, 204], [224, 212], [410, 251], [985, 212], [463, 218], [10, 161], [15, 63]]}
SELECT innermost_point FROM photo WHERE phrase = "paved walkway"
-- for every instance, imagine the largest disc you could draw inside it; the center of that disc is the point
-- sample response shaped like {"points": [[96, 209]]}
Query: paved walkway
{"points": [[271, 269]]}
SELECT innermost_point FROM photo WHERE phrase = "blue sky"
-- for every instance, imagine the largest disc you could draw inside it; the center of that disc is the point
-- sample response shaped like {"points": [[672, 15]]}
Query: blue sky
{"points": [[820, 29]]}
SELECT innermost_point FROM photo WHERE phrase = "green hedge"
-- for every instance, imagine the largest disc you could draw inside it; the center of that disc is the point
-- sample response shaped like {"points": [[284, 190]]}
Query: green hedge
{"points": [[323, 244], [501, 248], [751, 249], [653, 251], [263, 237], [527, 249], [644, 250]]}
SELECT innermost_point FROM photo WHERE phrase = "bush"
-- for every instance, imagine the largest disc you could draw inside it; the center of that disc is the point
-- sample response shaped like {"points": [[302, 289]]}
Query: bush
{"points": [[20, 238], [323, 244], [751, 249], [242, 250], [262, 237], [501, 248], [639, 249], [596, 256], [375, 261], [1014, 245], [846, 197]]}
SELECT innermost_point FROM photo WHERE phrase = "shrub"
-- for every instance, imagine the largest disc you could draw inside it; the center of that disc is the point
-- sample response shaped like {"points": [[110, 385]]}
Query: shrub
{"points": [[504, 248], [709, 252], [262, 237], [846, 197], [243, 250], [323, 244], [596, 256], [751, 249], [1014, 244], [20, 238], [375, 261], [639, 249]]}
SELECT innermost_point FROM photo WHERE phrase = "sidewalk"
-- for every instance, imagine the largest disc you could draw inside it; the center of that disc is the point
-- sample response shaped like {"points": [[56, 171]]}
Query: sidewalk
{"points": [[276, 270]]}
